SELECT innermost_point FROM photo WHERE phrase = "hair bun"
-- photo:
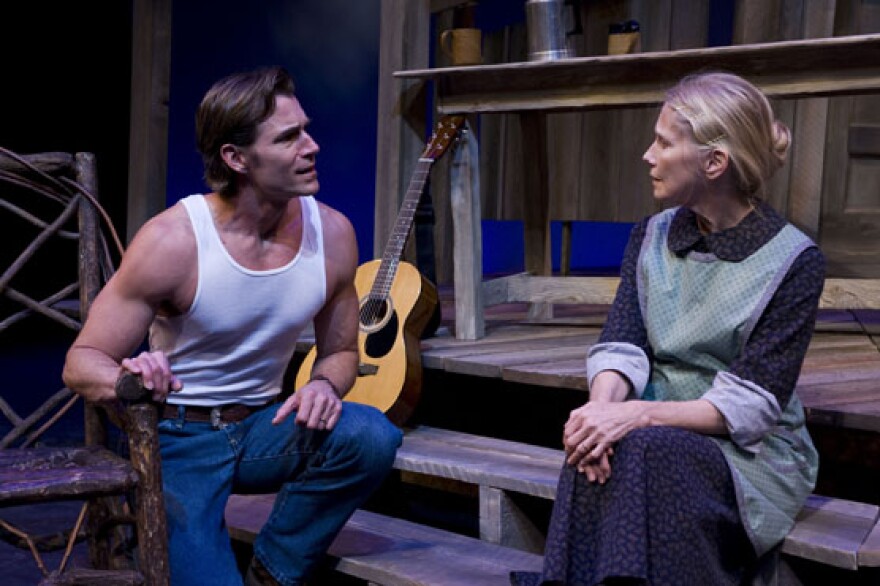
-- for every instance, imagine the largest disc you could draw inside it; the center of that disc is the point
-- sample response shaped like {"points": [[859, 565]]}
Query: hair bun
{"points": [[781, 142]]}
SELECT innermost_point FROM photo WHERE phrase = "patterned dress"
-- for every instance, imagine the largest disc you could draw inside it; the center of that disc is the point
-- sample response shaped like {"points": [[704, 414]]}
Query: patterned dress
{"points": [[678, 509]]}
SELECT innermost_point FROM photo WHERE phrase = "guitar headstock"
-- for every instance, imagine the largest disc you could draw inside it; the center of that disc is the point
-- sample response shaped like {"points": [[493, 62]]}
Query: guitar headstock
{"points": [[444, 133]]}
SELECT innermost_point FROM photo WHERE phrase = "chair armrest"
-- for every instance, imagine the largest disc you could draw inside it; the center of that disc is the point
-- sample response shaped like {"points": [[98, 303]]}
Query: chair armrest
{"points": [[130, 388], [141, 416]]}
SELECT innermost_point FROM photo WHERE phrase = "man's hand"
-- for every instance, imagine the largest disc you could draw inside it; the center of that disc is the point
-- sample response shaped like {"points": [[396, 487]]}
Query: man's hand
{"points": [[316, 404], [156, 373]]}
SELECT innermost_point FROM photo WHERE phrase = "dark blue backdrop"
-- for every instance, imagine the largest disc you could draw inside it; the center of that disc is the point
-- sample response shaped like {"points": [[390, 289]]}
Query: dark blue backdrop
{"points": [[331, 48]]}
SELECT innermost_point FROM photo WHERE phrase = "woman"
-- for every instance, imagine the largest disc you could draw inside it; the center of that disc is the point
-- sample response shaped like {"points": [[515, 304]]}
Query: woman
{"points": [[691, 458]]}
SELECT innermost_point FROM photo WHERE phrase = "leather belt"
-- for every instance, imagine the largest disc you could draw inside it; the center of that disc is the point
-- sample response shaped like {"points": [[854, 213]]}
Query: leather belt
{"points": [[231, 413]]}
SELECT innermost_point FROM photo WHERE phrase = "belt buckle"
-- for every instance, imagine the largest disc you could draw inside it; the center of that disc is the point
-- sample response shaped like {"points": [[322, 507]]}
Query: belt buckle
{"points": [[216, 421]]}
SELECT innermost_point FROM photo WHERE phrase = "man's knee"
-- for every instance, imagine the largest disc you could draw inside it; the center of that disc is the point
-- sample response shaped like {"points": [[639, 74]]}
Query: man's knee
{"points": [[366, 433]]}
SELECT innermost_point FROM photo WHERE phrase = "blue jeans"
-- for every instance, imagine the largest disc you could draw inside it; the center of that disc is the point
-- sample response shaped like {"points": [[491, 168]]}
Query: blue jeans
{"points": [[321, 478]]}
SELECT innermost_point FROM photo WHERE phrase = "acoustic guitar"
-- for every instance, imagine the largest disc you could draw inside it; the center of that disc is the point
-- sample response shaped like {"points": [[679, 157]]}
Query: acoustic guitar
{"points": [[398, 306]]}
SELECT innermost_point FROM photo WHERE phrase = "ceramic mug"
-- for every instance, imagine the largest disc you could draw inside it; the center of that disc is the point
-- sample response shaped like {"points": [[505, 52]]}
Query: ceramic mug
{"points": [[462, 46]]}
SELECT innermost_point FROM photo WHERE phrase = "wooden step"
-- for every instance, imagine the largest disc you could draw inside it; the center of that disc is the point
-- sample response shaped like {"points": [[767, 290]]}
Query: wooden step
{"points": [[498, 467], [485, 461], [833, 531], [395, 552], [869, 553], [828, 530]]}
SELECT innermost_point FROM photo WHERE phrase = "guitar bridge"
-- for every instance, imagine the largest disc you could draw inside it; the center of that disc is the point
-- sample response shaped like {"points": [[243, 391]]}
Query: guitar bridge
{"points": [[367, 369]]}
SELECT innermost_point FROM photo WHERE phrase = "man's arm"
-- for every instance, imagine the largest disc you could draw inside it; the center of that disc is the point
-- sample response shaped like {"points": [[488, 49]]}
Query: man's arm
{"points": [[336, 325], [318, 403], [122, 312]]}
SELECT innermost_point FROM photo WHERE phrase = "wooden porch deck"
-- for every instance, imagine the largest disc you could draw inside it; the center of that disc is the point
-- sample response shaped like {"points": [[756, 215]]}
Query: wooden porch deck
{"points": [[502, 384], [839, 383], [519, 383]]}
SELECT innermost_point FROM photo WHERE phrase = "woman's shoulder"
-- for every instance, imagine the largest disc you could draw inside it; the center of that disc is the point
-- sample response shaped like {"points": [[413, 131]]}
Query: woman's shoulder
{"points": [[812, 258]]}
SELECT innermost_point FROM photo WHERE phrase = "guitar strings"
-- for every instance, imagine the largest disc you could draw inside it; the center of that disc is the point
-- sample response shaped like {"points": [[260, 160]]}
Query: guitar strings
{"points": [[376, 308]]}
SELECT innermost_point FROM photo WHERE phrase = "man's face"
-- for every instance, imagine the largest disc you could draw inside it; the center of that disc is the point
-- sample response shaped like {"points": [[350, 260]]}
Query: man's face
{"points": [[281, 161]]}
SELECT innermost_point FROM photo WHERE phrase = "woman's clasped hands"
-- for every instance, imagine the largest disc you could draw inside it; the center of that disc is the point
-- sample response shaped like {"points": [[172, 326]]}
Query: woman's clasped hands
{"points": [[592, 431]]}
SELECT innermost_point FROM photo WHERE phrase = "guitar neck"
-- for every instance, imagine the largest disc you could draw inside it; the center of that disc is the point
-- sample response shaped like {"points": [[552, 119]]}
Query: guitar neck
{"points": [[400, 233]]}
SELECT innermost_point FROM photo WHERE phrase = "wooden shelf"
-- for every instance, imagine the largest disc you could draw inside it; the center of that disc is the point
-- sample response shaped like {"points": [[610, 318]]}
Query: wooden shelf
{"points": [[791, 69], [812, 67]]}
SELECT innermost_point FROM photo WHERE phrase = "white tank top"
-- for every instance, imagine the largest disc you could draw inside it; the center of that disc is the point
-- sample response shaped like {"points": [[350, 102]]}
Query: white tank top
{"points": [[234, 343]]}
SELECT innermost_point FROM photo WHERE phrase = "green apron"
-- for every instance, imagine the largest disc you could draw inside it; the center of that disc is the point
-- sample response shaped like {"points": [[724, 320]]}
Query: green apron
{"points": [[699, 312]]}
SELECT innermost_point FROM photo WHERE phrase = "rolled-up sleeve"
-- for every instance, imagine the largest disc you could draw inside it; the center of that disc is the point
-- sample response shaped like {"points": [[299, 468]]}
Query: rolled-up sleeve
{"points": [[750, 411], [627, 359]]}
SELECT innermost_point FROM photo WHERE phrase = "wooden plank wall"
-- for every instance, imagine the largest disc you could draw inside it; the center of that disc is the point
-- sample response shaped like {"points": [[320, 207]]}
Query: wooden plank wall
{"points": [[850, 215], [594, 158], [830, 187], [595, 170], [796, 188], [403, 41]]}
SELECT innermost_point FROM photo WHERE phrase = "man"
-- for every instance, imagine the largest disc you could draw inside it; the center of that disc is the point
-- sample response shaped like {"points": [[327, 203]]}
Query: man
{"points": [[225, 284]]}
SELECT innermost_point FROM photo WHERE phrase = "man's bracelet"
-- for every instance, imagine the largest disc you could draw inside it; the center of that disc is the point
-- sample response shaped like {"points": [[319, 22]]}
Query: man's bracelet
{"points": [[328, 381]]}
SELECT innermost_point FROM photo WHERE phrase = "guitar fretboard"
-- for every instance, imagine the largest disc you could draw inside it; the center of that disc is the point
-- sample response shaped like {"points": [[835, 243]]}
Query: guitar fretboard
{"points": [[397, 239]]}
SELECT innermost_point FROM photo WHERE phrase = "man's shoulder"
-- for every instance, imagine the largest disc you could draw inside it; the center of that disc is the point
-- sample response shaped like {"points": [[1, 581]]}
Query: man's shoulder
{"points": [[159, 264], [340, 242], [171, 222], [169, 232], [332, 220]]}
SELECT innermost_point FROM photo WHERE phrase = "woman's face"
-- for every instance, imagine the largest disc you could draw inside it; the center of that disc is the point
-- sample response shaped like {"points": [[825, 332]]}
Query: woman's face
{"points": [[674, 160]]}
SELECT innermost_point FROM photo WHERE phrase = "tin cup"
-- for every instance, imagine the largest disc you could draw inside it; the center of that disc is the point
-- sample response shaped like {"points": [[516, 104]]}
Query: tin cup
{"points": [[545, 30]]}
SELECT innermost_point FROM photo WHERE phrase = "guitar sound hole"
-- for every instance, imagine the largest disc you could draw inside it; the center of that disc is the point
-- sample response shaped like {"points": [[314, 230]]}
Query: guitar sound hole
{"points": [[374, 312], [380, 342]]}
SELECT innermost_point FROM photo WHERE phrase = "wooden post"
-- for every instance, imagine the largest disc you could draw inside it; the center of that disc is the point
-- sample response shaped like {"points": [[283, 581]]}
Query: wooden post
{"points": [[150, 89], [400, 136], [565, 252], [536, 206], [152, 528], [86, 173], [100, 509], [467, 238], [505, 523]]}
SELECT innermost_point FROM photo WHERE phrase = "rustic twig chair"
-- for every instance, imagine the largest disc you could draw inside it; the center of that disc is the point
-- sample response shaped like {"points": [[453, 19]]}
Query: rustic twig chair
{"points": [[116, 491]]}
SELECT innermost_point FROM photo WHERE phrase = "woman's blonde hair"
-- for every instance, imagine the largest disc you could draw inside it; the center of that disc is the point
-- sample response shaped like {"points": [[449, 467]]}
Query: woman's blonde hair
{"points": [[727, 112]]}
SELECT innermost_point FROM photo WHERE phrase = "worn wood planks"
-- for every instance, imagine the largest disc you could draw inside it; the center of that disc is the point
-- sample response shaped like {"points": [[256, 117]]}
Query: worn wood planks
{"points": [[838, 383], [831, 531], [869, 553], [836, 532], [529, 354], [29, 475], [394, 552], [800, 68], [523, 468]]}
